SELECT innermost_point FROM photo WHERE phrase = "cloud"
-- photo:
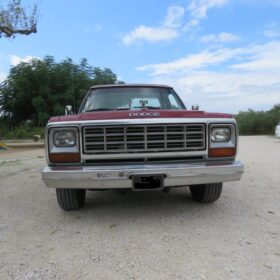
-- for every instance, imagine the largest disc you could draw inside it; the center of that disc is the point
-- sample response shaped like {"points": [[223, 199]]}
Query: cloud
{"points": [[174, 17], [264, 58], [198, 10], [15, 60], [223, 37], [167, 31], [173, 24], [194, 61], [150, 34], [245, 77], [272, 31]]}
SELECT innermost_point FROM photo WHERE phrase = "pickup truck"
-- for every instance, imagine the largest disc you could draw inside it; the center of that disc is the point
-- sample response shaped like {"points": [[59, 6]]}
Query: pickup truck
{"points": [[139, 137]]}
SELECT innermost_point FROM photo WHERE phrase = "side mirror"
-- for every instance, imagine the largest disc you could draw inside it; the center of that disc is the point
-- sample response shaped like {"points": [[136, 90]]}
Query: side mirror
{"points": [[195, 107], [68, 110]]}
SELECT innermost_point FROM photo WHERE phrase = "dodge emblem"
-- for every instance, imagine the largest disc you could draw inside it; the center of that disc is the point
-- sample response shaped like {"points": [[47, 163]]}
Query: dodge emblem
{"points": [[144, 114]]}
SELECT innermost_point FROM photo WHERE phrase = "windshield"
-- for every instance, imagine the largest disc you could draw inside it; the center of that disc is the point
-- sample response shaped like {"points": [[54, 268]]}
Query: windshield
{"points": [[131, 98]]}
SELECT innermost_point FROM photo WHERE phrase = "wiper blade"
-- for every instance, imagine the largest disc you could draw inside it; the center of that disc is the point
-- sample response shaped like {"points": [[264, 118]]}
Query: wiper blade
{"points": [[122, 109], [147, 107], [99, 109]]}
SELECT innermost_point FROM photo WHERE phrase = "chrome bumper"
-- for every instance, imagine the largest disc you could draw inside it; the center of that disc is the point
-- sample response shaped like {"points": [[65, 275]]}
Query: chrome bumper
{"points": [[118, 177]]}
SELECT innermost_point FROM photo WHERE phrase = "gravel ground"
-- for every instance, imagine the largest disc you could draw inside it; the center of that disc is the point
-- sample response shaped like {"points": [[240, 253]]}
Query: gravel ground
{"points": [[148, 235]]}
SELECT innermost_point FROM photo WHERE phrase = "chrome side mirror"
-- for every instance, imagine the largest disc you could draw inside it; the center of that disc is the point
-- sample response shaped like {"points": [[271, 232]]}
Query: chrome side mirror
{"points": [[68, 110]]}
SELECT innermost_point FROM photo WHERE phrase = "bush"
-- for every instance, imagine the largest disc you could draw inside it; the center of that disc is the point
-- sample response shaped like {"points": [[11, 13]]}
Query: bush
{"points": [[258, 122], [25, 131]]}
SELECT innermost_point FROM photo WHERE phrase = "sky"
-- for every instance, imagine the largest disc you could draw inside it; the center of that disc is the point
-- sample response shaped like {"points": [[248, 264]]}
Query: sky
{"points": [[223, 55]]}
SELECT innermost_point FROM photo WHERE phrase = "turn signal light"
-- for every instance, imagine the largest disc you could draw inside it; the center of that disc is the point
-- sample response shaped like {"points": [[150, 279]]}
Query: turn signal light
{"points": [[64, 157], [222, 152]]}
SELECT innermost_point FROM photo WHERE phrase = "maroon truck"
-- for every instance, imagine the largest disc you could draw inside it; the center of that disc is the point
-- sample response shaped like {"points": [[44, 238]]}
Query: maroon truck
{"points": [[139, 137]]}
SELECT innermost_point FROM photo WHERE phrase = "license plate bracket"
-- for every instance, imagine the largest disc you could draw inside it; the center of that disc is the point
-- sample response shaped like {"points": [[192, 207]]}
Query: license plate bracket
{"points": [[148, 182]]}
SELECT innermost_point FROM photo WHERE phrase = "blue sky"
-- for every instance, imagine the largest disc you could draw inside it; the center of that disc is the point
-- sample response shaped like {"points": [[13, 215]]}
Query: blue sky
{"points": [[221, 54]]}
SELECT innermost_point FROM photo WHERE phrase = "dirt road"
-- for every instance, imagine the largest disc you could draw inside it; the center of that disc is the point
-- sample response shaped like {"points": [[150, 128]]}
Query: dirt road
{"points": [[148, 235]]}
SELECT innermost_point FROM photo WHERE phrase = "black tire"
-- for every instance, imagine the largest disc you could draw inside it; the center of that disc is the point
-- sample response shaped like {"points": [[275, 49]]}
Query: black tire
{"points": [[71, 199], [206, 193]]}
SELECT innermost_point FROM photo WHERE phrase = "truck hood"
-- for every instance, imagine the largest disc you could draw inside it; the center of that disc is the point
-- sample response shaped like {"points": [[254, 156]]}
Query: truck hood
{"points": [[138, 114]]}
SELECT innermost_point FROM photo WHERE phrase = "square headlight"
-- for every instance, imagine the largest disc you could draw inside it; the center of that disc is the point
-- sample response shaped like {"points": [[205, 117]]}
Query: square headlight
{"points": [[220, 134], [64, 138]]}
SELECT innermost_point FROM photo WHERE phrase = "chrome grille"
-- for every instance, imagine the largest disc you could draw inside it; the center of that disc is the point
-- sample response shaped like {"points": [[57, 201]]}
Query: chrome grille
{"points": [[143, 138]]}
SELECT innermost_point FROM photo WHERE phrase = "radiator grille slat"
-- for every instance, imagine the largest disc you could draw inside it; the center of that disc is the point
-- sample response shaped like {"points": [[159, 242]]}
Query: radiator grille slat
{"points": [[143, 138]]}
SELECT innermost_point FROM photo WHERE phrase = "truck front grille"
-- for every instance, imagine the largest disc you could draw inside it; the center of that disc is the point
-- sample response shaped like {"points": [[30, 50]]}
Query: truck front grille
{"points": [[143, 138]]}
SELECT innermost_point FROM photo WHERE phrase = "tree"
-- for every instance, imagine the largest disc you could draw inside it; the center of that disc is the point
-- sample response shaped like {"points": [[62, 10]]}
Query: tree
{"points": [[40, 89], [15, 19]]}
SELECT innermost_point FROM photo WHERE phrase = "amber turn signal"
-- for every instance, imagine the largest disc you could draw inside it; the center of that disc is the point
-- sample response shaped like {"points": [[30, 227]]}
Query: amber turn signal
{"points": [[222, 152], [64, 157]]}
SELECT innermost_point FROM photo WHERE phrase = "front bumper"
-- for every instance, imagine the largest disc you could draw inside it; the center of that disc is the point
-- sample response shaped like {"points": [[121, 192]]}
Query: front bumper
{"points": [[119, 177]]}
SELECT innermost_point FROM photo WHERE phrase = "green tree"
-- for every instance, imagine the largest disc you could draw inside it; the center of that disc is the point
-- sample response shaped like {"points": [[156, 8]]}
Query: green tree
{"points": [[15, 19], [39, 89]]}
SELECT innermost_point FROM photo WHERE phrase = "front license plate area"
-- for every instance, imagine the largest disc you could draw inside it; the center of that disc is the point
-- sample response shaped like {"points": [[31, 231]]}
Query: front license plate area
{"points": [[148, 182]]}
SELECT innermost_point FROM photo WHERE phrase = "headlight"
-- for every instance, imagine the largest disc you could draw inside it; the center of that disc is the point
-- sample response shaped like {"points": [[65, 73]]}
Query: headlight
{"points": [[220, 134], [64, 138]]}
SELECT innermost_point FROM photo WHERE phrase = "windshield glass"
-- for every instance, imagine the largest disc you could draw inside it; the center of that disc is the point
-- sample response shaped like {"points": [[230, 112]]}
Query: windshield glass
{"points": [[131, 98]]}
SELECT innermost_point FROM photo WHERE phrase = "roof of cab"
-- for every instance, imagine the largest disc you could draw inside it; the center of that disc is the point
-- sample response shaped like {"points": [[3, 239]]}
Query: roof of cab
{"points": [[130, 85]]}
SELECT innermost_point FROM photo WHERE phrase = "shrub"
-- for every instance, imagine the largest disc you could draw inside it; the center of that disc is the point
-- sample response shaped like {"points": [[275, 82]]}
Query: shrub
{"points": [[258, 122], [25, 131]]}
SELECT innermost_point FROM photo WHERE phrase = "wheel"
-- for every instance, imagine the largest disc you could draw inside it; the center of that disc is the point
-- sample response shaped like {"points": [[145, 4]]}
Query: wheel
{"points": [[70, 199], [206, 193]]}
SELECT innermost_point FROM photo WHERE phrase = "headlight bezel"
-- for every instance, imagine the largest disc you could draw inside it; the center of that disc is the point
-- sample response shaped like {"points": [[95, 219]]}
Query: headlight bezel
{"points": [[226, 149], [52, 148]]}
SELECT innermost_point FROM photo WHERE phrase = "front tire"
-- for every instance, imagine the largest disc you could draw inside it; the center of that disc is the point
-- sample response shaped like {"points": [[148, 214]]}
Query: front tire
{"points": [[71, 199], [206, 193]]}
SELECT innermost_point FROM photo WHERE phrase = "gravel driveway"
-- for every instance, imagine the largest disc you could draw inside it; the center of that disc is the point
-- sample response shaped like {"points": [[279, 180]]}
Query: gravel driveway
{"points": [[147, 235]]}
